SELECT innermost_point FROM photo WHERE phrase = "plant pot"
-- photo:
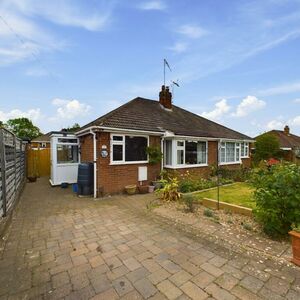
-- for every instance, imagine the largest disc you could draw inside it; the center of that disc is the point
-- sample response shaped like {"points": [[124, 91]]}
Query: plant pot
{"points": [[151, 188], [295, 247], [32, 178], [130, 189], [157, 184], [144, 189]]}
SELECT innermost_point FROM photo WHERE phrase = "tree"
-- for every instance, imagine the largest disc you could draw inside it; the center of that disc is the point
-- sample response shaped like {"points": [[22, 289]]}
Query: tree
{"points": [[23, 127], [1, 124], [266, 147], [73, 128]]}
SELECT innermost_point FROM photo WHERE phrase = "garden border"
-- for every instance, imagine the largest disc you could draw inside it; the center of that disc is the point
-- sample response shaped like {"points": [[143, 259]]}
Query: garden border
{"points": [[211, 203]]}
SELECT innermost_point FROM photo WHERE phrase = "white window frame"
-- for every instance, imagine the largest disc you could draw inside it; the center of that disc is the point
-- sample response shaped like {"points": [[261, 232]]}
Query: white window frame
{"points": [[246, 146], [237, 145], [123, 162], [175, 147]]}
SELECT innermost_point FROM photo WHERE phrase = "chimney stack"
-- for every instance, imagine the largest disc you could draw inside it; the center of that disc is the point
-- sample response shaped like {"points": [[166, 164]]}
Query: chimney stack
{"points": [[286, 130], [165, 97]]}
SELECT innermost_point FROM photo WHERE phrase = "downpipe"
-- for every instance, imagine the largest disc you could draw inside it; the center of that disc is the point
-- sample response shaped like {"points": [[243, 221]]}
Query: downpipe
{"points": [[94, 161]]}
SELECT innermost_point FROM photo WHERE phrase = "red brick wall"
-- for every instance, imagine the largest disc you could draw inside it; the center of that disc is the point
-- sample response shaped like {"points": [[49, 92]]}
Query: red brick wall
{"points": [[113, 178], [86, 148]]}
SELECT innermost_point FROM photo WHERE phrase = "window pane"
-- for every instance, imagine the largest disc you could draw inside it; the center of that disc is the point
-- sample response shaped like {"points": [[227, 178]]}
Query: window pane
{"points": [[246, 149], [65, 140], [179, 157], [222, 155], [237, 152], [135, 148], [180, 143], [242, 149], [67, 154], [190, 153], [117, 138], [168, 156], [230, 148], [201, 153], [117, 152]]}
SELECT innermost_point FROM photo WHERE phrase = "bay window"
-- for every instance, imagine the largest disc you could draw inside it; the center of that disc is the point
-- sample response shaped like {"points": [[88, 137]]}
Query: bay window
{"points": [[128, 149], [230, 152], [184, 153]]}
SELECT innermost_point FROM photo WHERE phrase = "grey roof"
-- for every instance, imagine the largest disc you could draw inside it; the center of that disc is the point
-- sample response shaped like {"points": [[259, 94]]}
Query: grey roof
{"points": [[149, 115]]}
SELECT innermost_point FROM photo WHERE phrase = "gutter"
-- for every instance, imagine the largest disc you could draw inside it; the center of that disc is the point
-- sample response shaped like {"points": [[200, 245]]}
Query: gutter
{"points": [[94, 161]]}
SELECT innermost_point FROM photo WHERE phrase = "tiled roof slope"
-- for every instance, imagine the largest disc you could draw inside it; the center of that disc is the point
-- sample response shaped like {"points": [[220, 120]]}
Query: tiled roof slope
{"points": [[149, 115], [286, 140], [42, 138]]}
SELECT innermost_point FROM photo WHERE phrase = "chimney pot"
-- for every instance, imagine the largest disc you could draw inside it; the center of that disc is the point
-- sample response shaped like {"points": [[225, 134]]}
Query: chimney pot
{"points": [[165, 97], [287, 130]]}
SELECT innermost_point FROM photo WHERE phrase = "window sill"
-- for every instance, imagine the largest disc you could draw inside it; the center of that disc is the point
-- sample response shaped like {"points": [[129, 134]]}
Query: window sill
{"points": [[128, 163], [231, 163], [245, 157], [186, 166]]}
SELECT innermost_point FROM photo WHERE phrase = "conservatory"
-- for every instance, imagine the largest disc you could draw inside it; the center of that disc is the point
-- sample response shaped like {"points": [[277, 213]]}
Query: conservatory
{"points": [[65, 158]]}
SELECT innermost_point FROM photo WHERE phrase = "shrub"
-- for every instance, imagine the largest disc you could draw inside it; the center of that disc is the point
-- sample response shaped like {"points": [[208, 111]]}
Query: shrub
{"points": [[277, 198], [169, 191], [247, 226], [208, 213], [189, 203]]}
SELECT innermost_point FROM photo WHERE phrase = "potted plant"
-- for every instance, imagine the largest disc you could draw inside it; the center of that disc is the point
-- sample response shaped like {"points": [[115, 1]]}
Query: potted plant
{"points": [[130, 189], [295, 234], [151, 188]]}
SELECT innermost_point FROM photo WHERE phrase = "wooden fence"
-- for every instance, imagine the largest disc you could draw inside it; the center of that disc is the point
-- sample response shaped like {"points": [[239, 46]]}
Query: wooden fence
{"points": [[38, 162], [12, 170]]}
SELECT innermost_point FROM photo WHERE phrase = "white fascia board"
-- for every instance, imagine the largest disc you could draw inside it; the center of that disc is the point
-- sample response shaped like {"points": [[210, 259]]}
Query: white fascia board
{"points": [[285, 148]]}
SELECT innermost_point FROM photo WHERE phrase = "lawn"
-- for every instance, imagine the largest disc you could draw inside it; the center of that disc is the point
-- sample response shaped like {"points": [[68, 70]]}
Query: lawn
{"points": [[239, 194]]}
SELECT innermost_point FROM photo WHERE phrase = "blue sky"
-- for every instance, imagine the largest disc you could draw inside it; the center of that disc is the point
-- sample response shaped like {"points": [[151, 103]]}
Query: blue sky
{"points": [[237, 62]]}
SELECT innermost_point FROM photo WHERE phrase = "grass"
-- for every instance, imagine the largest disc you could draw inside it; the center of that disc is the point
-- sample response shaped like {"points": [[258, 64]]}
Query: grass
{"points": [[239, 194]]}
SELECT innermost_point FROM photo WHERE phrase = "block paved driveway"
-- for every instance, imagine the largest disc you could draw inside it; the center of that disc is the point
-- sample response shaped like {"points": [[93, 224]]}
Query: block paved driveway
{"points": [[63, 247]]}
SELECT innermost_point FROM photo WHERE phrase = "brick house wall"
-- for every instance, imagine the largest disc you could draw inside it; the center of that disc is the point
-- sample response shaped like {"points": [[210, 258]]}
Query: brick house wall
{"points": [[113, 178]]}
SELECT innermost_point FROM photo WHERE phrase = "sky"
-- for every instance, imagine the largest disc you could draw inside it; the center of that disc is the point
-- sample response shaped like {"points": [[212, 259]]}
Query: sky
{"points": [[237, 62]]}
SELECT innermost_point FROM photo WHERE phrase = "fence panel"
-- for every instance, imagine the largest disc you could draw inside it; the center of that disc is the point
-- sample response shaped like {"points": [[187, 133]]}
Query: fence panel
{"points": [[12, 169]]}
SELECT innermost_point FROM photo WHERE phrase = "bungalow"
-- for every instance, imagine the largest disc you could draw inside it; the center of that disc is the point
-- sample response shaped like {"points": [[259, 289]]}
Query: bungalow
{"points": [[117, 142], [289, 144], [41, 142]]}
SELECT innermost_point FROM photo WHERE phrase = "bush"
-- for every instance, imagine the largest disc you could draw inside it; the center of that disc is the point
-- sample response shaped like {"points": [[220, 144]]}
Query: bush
{"points": [[208, 213], [189, 203], [277, 198], [169, 191]]}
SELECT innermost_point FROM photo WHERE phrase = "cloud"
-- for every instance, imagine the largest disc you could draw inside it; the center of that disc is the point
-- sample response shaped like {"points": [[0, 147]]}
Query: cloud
{"points": [[220, 109], [179, 47], [297, 100], [24, 36], [295, 121], [70, 109], [192, 31], [248, 105], [33, 114], [281, 89], [153, 5], [275, 124]]}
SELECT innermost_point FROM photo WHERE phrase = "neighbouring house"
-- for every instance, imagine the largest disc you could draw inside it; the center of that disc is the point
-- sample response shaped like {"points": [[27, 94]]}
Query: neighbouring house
{"points": [[41, 142], [289, 144], [117, 142]]}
